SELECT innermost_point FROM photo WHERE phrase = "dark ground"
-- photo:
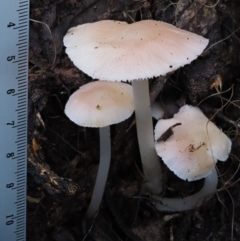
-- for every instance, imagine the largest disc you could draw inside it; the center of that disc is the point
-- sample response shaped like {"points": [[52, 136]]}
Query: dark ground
{"points": [[63, 158]]}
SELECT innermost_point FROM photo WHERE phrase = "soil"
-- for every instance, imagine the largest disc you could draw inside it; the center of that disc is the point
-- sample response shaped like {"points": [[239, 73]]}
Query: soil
{"points": [[63, 158]]}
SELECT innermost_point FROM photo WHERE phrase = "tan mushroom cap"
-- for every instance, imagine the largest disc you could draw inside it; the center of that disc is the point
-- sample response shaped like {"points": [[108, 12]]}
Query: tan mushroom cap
{"points": [[195, 146], [100, 103], [114, 50]]}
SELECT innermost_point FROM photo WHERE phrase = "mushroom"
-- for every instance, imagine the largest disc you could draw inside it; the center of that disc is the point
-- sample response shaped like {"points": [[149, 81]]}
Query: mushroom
{"points": [[100, 104], [118, 51], [190, 145]]}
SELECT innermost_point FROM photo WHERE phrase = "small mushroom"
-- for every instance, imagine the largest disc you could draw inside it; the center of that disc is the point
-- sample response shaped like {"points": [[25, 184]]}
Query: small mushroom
{"points": [[118, 51], [100, 104], [191, 150]]}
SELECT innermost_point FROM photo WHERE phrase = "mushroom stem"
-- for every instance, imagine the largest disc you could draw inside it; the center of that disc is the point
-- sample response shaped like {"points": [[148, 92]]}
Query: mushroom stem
{"points": [[150, 161], [103, 169], [190, 202]]}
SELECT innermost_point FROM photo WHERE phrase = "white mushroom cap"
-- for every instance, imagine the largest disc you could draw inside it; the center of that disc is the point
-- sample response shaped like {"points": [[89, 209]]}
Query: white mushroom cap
{"points": [[113, 50], [193, 149], [100, 103]]}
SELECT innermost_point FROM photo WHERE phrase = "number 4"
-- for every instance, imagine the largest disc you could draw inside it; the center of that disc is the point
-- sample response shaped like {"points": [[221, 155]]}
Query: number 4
{"points": [[11, 24]]}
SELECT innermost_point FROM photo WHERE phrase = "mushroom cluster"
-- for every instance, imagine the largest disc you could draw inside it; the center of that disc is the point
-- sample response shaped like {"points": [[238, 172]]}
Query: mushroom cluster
{"points": [[118, 51]]}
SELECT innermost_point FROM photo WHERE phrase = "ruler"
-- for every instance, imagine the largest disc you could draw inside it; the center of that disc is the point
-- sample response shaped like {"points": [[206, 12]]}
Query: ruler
{"points": [[14, 26]]}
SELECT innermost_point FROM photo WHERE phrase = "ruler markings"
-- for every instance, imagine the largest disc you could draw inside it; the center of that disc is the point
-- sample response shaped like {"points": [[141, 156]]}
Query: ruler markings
{"points": [[21, 145], [22, 126], [20, 224], [23, 105], [22, 48], [19, 81], [21, 139], [22, 22], [22, 55], [21, 142], [20, 88], [18, 175], [20, 95], [19, 132], [20, 115], [20, 231], [20, 166], [20, 76], [20, 106], [23, 2], [20, 27], [22, 118], [22, 37], [21, 65], [21, 68], [19, 44], [20, 211], [21, 111], [22, 5], [20, 60], [22, 85], [20, 190], [21, 195], [15, 24], [20, 148], [21, 71], [20, 159], [23, 17], [20, 9], [20, 204], [19, 180], [22, 40]]}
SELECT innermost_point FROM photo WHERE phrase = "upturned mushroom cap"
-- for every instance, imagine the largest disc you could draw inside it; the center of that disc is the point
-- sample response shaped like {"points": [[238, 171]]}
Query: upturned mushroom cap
{"points": [[113, 50], [100, 103], [193, 149]]}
